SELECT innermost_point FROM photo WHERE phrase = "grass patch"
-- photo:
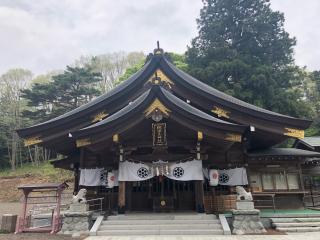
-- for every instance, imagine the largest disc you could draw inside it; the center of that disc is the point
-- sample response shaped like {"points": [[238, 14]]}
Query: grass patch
{"points": [[43, 171]]}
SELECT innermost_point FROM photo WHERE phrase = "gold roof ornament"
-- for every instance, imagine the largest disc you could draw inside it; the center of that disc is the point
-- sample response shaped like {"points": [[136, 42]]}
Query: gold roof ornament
{"points": [[115, 138], [32, 141], [98, 117], [232, 137], [83, 142], [292, 132], [220, 112], [159, 77], [157, 105], [158, 52], [200, 136]]}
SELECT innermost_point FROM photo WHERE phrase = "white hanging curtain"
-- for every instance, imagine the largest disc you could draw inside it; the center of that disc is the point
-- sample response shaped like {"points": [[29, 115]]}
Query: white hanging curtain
{"points": [[130, 171], [186, 171], [98, 177], [233, 177], [91, 177]]}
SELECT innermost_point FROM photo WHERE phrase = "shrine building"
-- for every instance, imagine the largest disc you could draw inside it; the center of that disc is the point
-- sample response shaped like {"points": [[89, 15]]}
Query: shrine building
{"points": [[164, 141]]}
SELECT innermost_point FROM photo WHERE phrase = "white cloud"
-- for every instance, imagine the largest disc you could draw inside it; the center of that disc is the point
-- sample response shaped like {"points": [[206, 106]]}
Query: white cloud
{"points": [[43, 35], [303, 22]]}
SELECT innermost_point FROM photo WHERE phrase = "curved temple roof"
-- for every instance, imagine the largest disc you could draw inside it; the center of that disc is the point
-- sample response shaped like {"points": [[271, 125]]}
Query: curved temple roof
{"points": [[179, 111], [217, 96], [206, 102]]}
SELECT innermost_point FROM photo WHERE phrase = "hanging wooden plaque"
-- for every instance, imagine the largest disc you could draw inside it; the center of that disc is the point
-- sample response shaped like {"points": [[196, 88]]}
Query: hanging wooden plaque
{"points": [[159, 134]]}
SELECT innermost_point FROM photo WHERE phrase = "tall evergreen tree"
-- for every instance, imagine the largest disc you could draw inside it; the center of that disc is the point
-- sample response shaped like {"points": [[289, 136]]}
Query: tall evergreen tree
{"points": [[66, 91], [243, 49]]}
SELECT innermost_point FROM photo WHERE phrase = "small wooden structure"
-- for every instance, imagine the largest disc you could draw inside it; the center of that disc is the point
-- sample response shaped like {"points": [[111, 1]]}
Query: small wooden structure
{"points": [[50, 202], [8, 223]]}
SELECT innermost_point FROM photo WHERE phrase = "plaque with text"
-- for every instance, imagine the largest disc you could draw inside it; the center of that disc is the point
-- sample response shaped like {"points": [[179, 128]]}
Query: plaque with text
{"points": [[159, 134]]}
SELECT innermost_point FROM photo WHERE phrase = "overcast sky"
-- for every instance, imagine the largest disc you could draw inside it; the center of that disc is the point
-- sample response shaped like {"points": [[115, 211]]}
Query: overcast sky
{"points": [[43, 35]]}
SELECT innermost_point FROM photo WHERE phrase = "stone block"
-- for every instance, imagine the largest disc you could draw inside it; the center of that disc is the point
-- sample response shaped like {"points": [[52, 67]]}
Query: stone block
{"points": [[245, 212], [246, 222], [79, 207], [244, 205]]}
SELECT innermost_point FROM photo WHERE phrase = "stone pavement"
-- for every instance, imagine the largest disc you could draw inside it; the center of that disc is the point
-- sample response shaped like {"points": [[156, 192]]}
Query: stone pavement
{"points": [[296, 236]]}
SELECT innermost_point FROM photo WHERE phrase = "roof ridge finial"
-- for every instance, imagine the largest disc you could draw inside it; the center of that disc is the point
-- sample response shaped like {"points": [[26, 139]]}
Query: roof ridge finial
{"points": [[158, 50]]}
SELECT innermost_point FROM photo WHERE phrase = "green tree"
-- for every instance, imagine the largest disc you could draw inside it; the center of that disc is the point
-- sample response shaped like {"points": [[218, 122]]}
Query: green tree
{"points": [[66, 91], [312, 89], [243, 49], [11, 106]]}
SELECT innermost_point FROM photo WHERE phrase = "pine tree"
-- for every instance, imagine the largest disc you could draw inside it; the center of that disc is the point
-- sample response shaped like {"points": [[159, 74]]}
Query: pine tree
{"points": [[67, 91]]}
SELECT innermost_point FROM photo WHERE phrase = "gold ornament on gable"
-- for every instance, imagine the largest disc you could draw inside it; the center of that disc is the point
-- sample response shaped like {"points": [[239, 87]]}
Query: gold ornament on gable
{"points": [[232, 137], [292, 132], [32, 141], [100, 116], [157, 105], [159, 77], [83, 142], [220, 112]]}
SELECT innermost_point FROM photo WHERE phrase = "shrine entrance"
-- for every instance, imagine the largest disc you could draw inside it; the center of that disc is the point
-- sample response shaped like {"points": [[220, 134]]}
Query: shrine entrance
{"points": [[161, 194]]}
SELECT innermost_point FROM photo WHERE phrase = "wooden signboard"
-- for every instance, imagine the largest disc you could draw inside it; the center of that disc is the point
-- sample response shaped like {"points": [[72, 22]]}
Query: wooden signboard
{"points": [[159, 134]]}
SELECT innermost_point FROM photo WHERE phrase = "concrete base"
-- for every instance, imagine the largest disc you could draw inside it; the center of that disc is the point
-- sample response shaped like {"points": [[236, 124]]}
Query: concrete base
{"points": [[76, 223], [246, 222]]}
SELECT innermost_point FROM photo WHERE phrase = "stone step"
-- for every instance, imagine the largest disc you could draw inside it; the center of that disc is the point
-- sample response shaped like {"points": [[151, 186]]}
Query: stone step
{"points": [[296, 220], [158, 222], [163, 217], [299, 229], [296, 224], [159, 232], [161, 227]]}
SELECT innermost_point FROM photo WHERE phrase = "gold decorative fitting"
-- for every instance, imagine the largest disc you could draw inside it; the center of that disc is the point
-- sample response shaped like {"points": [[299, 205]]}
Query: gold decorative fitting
{"points": [[83, 142], [220, 112], [157, 105], [200, 136], [99, 117], [232, 137], [32, 141], [115, 138], [296, 133], [159, 77]]}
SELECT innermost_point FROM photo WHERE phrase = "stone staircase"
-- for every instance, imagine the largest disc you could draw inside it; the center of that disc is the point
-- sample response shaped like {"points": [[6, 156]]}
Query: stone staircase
{"points": [[160, 224], [307, 224]]}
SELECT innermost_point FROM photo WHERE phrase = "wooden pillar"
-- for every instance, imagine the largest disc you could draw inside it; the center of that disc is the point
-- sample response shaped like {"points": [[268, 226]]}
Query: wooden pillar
{"points": [[122, 197], [199, 196], [82, 156], [76, 173], [301, 177], [129, 196]]}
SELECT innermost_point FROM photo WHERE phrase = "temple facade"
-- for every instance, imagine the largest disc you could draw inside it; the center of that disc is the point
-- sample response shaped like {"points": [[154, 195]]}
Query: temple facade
{"points": [[164, 141]]}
